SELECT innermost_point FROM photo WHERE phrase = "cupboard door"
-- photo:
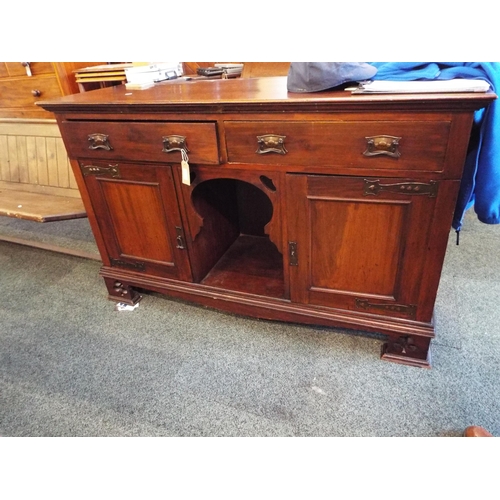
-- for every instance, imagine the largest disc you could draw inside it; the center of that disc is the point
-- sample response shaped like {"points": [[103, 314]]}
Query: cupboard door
{"points": [[360, 244], [137, 211]]}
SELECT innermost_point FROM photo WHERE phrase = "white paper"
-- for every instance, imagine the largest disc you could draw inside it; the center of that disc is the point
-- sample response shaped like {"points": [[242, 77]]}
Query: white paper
{"points": [[417, 86]]}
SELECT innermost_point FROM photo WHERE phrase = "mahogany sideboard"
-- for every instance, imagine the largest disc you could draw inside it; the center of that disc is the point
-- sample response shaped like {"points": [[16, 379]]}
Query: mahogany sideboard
{"points": [[326, 208]]}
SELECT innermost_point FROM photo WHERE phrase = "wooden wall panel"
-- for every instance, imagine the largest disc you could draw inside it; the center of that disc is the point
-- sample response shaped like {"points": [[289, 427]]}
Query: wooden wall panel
{"points": [[34, 153], [4, 158]]}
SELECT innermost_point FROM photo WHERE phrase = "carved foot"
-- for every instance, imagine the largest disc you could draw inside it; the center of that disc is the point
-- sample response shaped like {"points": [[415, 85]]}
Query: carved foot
{"points": [[408, 350], [121, 292]]}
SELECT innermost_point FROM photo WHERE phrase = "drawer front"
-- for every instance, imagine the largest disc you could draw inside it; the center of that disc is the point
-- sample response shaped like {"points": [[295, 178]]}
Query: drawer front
{"points": [[24, 92], [36, 68], [157, 142], [408, 145], [4, 73]]}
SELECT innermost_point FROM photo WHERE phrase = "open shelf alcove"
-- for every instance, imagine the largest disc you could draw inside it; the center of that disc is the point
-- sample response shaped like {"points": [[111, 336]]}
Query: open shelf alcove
{"points": [[236, 233]]}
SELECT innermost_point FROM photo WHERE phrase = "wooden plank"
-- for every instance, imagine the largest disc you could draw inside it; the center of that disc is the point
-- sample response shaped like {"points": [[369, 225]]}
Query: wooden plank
{"points": [[72, 180], [63, 167], [42, 128], [41, 159], [31, 153], [13, 159], [39, 207], [4, 159], [37, 188], [52, 161], [22, 155]]}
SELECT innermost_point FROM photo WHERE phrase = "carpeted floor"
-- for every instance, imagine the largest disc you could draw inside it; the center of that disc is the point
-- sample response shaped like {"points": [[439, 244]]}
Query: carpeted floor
{"points": [[72, 236], [71, 365]]}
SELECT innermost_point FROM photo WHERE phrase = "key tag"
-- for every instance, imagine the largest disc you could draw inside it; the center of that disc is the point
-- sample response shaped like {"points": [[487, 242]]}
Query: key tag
{"points": [[186, 177]]}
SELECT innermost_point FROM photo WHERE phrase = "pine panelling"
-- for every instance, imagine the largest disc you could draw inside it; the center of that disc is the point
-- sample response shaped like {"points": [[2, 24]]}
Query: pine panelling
{"points": [[34, 153], [22, 154], [4, 158], [31, 155], [41, 161], [13, 158], [63, 167], [50, 144]]}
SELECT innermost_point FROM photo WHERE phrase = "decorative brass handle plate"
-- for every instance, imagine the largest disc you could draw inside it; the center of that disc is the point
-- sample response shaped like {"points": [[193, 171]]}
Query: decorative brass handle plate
{"points": [[99, 141], [110, 171], [174, 143], [382, 145], [417, 188], [409, 310], [270, 143]]}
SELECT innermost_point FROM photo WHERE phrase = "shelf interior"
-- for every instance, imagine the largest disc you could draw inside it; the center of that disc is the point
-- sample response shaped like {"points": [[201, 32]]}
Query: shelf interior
{"points": [[252, 264]]}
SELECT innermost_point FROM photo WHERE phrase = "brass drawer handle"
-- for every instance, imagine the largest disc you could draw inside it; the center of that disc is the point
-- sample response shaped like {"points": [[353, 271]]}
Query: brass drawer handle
{"points": [[174, 143], [99, 141], [382, 145], [270, 143]]}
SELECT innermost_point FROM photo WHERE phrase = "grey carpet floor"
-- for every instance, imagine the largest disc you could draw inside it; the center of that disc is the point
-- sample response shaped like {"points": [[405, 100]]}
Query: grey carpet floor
{"points": [[71, 365], [67, 236]]}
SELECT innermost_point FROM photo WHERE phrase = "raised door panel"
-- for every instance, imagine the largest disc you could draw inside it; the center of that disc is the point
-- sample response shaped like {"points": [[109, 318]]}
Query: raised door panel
{"points": [[139, 219], [359, 244]]}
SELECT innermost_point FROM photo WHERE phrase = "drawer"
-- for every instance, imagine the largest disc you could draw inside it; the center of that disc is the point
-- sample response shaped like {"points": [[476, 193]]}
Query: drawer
{"points": [[408, 145], [24, 92], [141, 141], [36, 68]]}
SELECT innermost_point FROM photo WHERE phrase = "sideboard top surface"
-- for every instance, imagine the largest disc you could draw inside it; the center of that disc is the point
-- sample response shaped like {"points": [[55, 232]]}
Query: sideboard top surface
{"points": [[251, 95]]}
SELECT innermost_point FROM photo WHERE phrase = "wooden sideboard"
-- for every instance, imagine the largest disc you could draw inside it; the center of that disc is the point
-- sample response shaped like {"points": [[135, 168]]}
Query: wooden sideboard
{"points": [[35, 173], [327, 209]]}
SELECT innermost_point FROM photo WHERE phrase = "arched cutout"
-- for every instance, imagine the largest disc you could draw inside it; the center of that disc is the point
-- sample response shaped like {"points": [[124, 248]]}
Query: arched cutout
{"points": [[267, 182], [242, 205]]}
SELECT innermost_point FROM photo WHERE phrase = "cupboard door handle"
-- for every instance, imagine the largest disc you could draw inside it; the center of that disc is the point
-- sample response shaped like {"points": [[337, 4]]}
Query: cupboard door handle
{"points": [[179, 238], [99, 141], [270, 143], [36, 93], [174, 143], [382, 145]]}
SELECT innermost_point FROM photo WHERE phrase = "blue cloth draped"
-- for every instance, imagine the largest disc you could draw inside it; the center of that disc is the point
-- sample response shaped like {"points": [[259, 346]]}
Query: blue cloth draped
{"points": [[480, 186]]}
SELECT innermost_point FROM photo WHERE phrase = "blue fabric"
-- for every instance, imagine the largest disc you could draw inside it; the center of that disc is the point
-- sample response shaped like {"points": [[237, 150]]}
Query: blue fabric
{"points": [[480, 184]]}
